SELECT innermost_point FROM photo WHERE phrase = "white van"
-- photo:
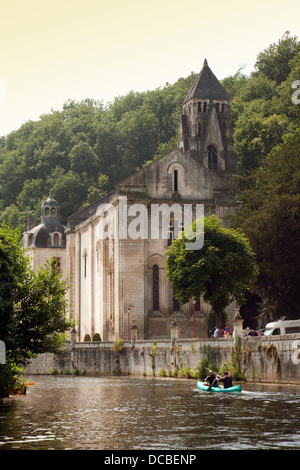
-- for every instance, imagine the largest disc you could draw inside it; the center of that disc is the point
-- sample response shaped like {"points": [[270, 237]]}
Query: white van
{"points": [[282, 327]]}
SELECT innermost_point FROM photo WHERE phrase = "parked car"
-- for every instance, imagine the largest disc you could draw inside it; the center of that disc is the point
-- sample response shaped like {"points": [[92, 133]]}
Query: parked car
{"points": [[282, 327]]}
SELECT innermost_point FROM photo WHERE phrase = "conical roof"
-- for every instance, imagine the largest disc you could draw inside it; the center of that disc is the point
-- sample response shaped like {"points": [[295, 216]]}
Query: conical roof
{"points": [[207, 86]]}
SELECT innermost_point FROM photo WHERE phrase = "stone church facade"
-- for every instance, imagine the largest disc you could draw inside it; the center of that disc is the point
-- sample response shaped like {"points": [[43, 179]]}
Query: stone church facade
{"points": [[115, 256]]}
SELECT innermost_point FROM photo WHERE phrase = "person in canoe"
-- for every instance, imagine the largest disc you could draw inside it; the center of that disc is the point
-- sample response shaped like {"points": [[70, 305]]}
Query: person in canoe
{"points": [[226, 379], [211, 379]]}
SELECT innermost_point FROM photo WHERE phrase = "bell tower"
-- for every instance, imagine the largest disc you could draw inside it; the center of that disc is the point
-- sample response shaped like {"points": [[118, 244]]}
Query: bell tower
{"points": [[205, 128]]}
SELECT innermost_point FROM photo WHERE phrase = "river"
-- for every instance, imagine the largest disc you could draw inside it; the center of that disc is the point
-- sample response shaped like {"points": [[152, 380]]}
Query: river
{"points": [[136, 413]]}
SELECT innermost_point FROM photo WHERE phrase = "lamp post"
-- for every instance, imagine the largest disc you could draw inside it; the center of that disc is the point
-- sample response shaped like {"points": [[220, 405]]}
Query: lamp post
{"points": [[194, 305], [128, 315]]}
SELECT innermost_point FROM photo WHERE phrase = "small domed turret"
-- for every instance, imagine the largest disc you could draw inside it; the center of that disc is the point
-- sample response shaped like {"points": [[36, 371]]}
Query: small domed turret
{"points": [[50, 208]]}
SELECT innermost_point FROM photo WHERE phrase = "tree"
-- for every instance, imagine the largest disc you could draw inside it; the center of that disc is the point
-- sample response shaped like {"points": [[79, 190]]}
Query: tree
{"points": [[33, 307], [274, 61], [270, 218], [222, 271]]}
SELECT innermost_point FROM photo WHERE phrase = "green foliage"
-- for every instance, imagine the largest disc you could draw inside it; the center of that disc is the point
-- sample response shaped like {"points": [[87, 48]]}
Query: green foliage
{"points": [[153, 354], [118, 346], [221, 271], [163, 372], [270, 218], [96, 337], [33, 307], [187, 372], [204, 366], [275, 61], [261, 106], [7, 380], [11, 379]]}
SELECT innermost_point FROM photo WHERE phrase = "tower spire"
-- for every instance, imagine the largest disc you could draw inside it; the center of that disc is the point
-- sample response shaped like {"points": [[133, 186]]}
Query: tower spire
{"points": [[205, 130]]}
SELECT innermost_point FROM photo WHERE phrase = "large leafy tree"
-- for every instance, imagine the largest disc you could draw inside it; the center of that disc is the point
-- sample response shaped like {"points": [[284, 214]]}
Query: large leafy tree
{"points": [[33, 307], [221, 271]]}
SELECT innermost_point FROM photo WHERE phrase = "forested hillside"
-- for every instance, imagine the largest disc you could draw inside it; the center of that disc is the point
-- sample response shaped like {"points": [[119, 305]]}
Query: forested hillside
{"points": [[82, 151]]}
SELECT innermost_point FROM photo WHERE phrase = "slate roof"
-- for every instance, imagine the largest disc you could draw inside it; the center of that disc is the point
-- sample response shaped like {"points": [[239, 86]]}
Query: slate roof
{"points": [[207, 86]]}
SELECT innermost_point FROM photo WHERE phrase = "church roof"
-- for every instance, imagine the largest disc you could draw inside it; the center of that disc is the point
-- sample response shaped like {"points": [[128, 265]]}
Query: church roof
{"points": [[50, 202], [207, 86]]}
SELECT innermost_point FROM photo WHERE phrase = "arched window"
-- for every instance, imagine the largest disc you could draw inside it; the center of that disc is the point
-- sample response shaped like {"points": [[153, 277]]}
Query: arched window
{"points": [[199, 107], [212, 158], [155, 287], [53, 211], [56, 239], [175, 181], [204, 107], [175, 226]]}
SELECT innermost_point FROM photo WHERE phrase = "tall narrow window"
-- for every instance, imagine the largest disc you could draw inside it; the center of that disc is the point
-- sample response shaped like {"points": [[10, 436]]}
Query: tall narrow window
{"points": [[175, 182], [199, 129], [155, 287], [212, 158], [84, 262], [174, 228], [199, 107], [56, 239]]}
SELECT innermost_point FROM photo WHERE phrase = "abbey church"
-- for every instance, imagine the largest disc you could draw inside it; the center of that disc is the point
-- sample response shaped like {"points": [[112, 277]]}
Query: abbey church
{"points": [[115, 266]]}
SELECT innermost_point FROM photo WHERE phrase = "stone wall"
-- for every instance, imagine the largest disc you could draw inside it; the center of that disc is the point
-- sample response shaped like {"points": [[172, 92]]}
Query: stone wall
{"points": [[262, 359]]}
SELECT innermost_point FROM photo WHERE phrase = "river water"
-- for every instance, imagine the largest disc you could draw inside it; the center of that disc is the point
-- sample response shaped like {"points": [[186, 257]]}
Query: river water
{"points": [[126, 413]]}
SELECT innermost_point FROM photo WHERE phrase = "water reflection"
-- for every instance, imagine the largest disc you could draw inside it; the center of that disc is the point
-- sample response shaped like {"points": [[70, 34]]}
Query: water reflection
{"points": [[145, 413]]}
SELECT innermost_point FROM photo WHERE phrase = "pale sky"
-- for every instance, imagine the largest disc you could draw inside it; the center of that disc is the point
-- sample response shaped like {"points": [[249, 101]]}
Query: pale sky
{"points": [[52, 51]]}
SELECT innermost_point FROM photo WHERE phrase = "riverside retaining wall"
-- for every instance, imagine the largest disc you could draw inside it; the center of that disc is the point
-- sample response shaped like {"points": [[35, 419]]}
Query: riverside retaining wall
{"points": [[265, 359]]}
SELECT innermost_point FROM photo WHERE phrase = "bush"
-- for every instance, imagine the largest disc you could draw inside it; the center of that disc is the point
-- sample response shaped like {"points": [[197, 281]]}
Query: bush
{"points": [[11, 379], [118, 346], [163, 372], [204, 367], [7, 381], [186, 372], [96, 337], [87, 337]]}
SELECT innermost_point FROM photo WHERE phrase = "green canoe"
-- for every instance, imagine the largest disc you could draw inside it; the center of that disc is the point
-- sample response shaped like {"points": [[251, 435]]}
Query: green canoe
{"points": [[235, 388]]}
